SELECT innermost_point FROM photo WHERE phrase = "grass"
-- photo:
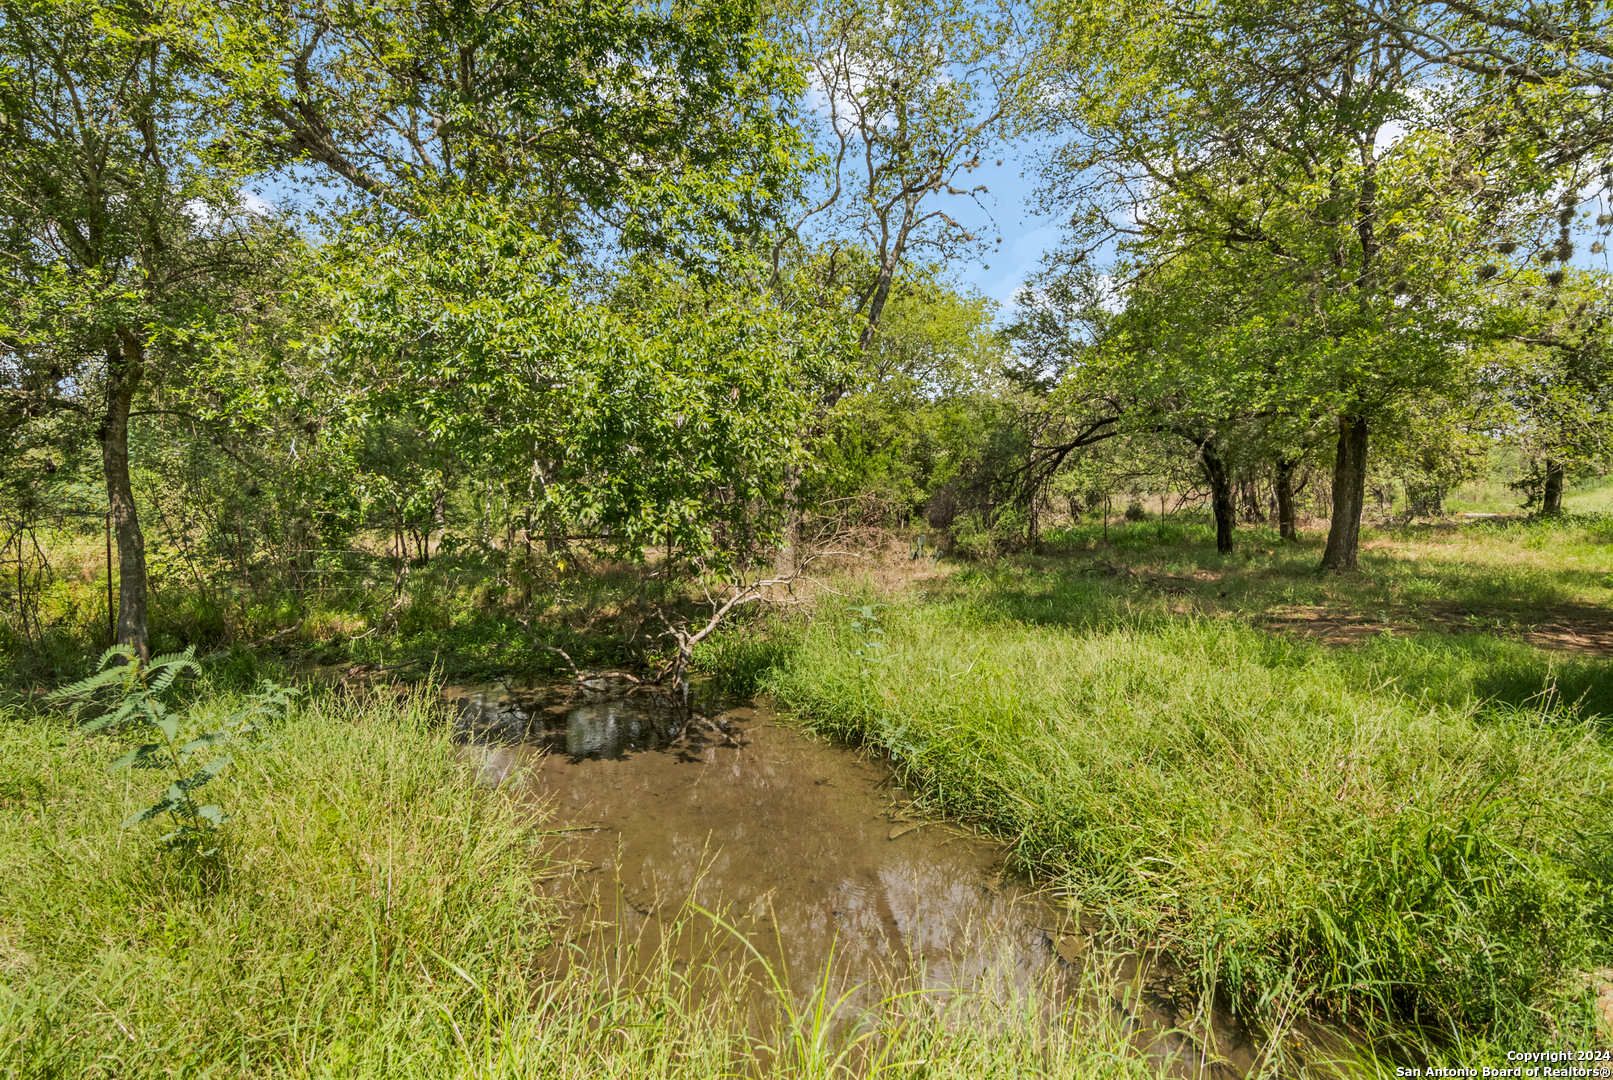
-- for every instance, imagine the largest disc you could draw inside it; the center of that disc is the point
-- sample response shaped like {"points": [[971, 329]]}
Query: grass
{"points": [[365, 909], [375, 911], [1369, 795], [1548, 581], [1594, 496], [1413, 831]]}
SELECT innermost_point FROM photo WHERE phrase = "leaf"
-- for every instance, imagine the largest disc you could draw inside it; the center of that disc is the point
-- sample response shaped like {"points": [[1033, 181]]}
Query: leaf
{"points": [[139, 757], [210, 738], [198, 778], [86, 687], [166, 806], [171, 666], [98, 723], [169, 726], [181, 659], [125, 651], [117, 716], [213, 814]]}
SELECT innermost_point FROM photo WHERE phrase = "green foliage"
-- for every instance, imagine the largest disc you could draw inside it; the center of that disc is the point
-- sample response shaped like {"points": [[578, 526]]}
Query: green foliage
{"points": [[985, 535], [1267, 287], [377, 897], [137, 688], [914, 93], [668, 125], [866, 626], [682, 420], [1275, 814]]}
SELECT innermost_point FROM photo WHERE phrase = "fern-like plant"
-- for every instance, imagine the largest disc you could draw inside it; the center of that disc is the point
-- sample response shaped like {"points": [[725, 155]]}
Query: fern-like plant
{"points": [[136, 689], [866, 626]]}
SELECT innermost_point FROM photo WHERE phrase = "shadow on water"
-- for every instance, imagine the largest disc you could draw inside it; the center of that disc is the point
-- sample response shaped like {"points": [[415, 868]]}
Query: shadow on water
{"points": [[812, 855]]}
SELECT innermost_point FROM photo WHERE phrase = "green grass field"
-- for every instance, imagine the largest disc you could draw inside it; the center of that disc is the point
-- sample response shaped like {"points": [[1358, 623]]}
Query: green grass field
{"points": [[1410, 826]]}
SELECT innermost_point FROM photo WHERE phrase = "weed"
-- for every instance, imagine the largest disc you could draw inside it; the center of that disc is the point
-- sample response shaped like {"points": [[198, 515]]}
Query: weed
{"points": [[138, 687]]}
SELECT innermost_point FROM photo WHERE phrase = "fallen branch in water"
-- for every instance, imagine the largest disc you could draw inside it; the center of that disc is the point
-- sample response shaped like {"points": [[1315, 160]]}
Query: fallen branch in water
{"points": [[752, 593], [563, 654]]}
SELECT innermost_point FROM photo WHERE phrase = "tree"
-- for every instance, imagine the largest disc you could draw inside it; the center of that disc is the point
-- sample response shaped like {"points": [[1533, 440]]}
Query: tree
{"points": [[1202, 350], [1547, 379], [122, 234], [658, 128], [1295, 144], [678, 420], [913, 92], [926, 390], [644, 142], [1537, 74], [128, 132]]}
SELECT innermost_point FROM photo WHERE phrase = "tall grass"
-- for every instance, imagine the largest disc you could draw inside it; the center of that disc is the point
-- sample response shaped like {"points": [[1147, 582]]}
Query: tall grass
{"points": [[1285, 820], [365, 908], [375, 912]]}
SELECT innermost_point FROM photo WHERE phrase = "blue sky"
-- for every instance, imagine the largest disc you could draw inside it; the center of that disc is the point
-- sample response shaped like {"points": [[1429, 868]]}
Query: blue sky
{"points": [[1027, 236]]}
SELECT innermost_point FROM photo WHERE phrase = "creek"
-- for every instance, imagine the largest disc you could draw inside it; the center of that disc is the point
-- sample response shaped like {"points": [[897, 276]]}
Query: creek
{"points": [[809, 850]]}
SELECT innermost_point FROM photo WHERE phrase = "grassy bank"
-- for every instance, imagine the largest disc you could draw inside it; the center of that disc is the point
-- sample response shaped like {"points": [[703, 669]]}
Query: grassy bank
{"points": [[374, 912], [1354, 830], [366, 911]]}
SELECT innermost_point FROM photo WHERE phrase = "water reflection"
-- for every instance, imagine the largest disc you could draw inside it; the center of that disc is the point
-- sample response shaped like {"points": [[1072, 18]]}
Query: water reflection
{"points": [[727, 808]]}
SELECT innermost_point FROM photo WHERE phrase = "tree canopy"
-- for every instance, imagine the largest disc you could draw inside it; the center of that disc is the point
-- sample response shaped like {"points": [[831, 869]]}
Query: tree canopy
{"points": [[681, 278]]}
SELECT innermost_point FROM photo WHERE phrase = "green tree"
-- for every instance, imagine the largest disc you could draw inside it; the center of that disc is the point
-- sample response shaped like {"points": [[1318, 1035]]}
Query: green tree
{"points": [[1300, 146], [1534, 77], [1547, 381], [926, 391], [661, 128], [123, 235], [676, 420]]}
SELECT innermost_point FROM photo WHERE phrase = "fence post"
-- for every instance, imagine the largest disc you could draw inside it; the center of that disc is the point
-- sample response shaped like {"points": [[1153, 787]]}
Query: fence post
{"points": [[111, 612]]}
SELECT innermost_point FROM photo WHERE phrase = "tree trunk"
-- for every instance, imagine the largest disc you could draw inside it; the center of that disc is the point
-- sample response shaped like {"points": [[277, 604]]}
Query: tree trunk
{"points": [[1252, 514], [1215, 471], [1551, 500], [1349, 495], [788, 557], [1283, 483], [124, 368], [876, 302], [439, 522]]}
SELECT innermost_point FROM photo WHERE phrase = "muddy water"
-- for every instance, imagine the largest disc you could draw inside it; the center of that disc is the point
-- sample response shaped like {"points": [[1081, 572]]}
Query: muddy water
{"points": [[804, 846]]}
